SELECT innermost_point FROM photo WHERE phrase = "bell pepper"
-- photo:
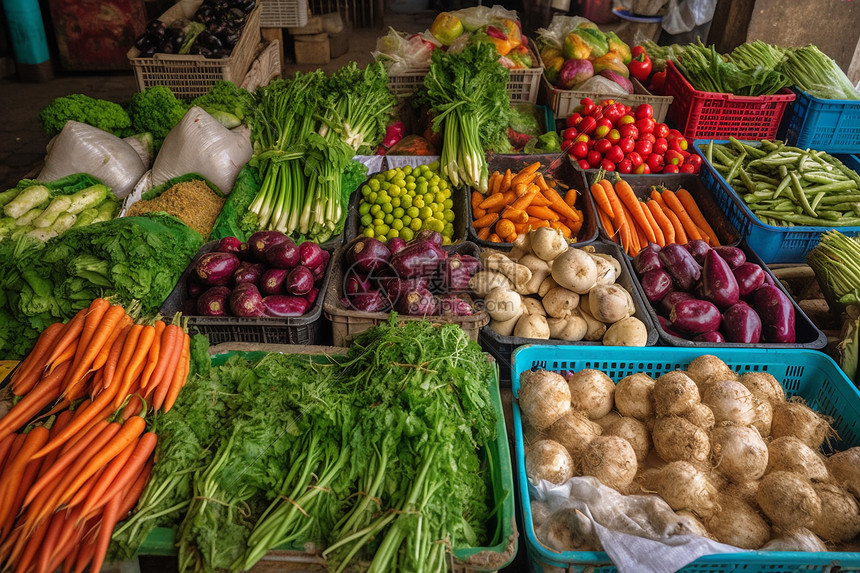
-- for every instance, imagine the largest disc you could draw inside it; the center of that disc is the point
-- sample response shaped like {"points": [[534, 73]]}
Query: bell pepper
{"points": [[658, 83], [640, 67], [618, 46]]}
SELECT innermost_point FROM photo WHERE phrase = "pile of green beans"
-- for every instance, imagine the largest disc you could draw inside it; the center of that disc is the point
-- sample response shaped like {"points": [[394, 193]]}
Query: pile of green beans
{"points": [[786, 186]]}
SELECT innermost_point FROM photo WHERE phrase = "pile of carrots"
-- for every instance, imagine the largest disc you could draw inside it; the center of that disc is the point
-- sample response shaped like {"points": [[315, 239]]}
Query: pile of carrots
{"points": [[665, 217], [519, 202], [68, 475]]}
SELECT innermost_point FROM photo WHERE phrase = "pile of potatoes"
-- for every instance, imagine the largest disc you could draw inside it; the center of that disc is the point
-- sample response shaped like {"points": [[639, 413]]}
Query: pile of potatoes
{"points": [[544, 288], [727, 451]]}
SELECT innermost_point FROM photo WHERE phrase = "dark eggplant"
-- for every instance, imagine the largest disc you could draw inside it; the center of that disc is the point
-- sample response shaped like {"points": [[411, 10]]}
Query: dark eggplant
{"points": [[398, 288], [311, 297], [741, 324], [356, 283], [272, 281], [656, 283], [679, 263], [714, 337], [457, 270], [282, 305], [695, 316], [668, 328], [395, 245], [282, 255], [300, 281], [319, 270], [718, 283], [749, 276], [311, 255], [248, 272], [246, 300], [647, 260], [453, 305], [231, 245], [373, 301], [671, 299], [776, 312], [149, 51], [418, 302], [261, 240], [367, 254], [428, 235], [216, 268], [734, 256], [213, 302], [698, 248], [420, 258]]}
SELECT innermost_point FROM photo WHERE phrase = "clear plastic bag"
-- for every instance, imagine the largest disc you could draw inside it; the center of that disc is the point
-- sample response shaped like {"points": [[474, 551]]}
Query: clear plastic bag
{"points": [[558, 28], [478, 16], [684, 15], [401, 53]]}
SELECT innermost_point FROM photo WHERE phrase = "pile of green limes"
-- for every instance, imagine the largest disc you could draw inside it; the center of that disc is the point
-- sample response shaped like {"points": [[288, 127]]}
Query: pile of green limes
{"points": [[402, 201]]}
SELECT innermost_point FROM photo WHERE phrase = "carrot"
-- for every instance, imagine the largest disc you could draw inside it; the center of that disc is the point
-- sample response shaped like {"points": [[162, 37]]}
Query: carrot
{"points": [[70, 334], [493, 182], [696, 215], [152, 358], [88, 349], [559, 206], [476, 199], [504, 228], [484, 233], [66, 356], [608, 226], [494, 238], [526, 174], [490, 201], [506, 181], [486, 220], [26, 546], [675, 205], [570, 198], [510, 197], [136, 363], [521, 203], [30, 369], [680, 234], [516, 215], [574, 226], [565, 230], [119, 329], [543, 213], [45, 392], [541, 201], [133, 407], [49, 544], [626, 195], [86, 550], [599, 194], [619, 219], [67, 539], [172, 360], [13, 473], [662, 220], [95, 312], [652, 222], [129, 346], [5, 446]]}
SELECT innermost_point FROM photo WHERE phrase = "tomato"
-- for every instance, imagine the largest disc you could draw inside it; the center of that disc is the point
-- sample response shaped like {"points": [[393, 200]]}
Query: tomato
{"points": [[613, 112], [643, 147], [658, 83], [673, 133], [648, 137], [661, 130], [672, 157], [594, 158], [583, 164], [625, 166], [642, 169], [655, 162], [695, 161], [687, 168], [678, 144], [627, 144], [582, 137], [566, 144], [587, 106], [573, 120], [570, 133], [671, 169], [645, 125], [607, 165], [613, 136], [602, 145], [579, 150], [644, 111], [660, 146], [601, 131], [614, 154], [625, 119], [635, 158], [629, 130], [587, 125]]}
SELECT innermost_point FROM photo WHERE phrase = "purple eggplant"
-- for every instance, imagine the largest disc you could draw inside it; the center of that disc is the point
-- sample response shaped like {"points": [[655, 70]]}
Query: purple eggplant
{"points": [[272, 281], [428, 235], [656, 283], [356, 283], [215, 268], [248, 272], [670, 300], [262, 240], [373, 301], [698, 248], [282, 255], [395, 245], [668, 328], [367, 254], [749, 276], [311, 255], [451, 304], [734, 256], [418, 302], [457, 270], [246, 300], [319, 270], [283, 305], [193, 286], [741, 324], [647, 260], [719, 285], [713, 337], [695, 316], [420, 258], [300, 281], [776, 312], [681, 265], [232, 245], [311, 297], [214, 302], [398, 288]]}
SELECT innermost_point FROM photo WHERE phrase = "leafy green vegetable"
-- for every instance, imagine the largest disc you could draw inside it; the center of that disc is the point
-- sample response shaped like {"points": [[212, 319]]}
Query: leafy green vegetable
{"points": [[816, 73], [156, 110], [526, 118], [750, 75], [548, 142], [225, 97], [105, 115]]}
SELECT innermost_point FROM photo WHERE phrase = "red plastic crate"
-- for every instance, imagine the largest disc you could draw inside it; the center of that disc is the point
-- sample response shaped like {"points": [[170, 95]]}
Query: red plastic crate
{"points": [[708, 115]]}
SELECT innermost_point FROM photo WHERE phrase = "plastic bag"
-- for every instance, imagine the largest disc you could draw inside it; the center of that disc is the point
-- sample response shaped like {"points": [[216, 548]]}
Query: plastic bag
{"points": [[401, 54], [601, 85], [200, 144], [478, 16], [684, 15], [558, 28], [82, 148]]}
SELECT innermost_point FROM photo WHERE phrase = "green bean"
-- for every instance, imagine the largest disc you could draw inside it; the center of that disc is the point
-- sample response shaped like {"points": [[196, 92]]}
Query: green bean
{"points": [[822, 177], [744, 148], [850, 173], [783, 185], [830, 187], [709, 152], [750, 185], [816, 200], [834, 199], [735, 166], [772, 145], [723, 157], [760, 177], [798, 193]]}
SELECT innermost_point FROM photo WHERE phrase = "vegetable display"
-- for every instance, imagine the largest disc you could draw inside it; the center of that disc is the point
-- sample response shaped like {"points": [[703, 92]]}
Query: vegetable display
{"points": [[405, 411], [748, 71], [545, 288], [727, 451], [836, 262], [519, 202], [786, 186]]}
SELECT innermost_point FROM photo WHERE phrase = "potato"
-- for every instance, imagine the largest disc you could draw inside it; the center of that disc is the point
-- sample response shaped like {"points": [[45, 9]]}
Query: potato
{"points": [[547, 285], [547, 243], [503, 304], [560, 302], [532, 326], [591, 392], [575, 270], [505, 327], [594, 328], [609, 303], [544, 397], [518, 274], [628, 331], [483, 282], [533, 306], [539, 269], [606, 274], [571, 328]]}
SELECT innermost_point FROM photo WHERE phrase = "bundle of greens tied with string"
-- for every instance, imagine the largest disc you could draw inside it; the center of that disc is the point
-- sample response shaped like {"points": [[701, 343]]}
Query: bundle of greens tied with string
{"points": [[305, 131]]}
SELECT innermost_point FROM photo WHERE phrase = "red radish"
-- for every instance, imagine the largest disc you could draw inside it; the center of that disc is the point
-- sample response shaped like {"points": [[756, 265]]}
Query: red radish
{"points": [[656, 284], [194, 287], [373, 301], [670, 300], [418, 302], [698, 248], [741, 324], [216, 268], [420, 258], [647, 260], [776, 312], [428, 235], [272, 281], [734, 256], [232, 245], [284, 306], [355, 283], [457, 270], [300, 281], [681, 265], [319, 270], [714, 336], [282, 255], [695, 316], [395, 245], [451, 304]]}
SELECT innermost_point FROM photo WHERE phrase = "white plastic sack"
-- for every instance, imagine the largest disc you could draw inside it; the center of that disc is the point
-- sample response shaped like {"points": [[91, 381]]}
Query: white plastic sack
{"points": [[601, 85], [401, 53], [684, 15], [82, 148], [200, 144]]}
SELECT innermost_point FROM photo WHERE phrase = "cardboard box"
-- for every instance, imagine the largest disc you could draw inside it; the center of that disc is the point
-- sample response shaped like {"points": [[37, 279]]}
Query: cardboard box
{"points": [[316, 52], [339, 43], [314, 26]]}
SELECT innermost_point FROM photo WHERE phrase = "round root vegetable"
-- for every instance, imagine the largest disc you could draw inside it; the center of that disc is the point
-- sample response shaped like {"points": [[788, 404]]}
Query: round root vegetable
{"points": [[609, 303], [763, 416], [532, 326], [533, 306], [628, 331], [788, 500], [550, 461], [503, 304], [575, 270], [744, 491], [676, 439], [608, 419], [566, 529], [606, 273], [547, 243], [591, 392], [702, 416], [482, 282], [736, 523], [683, 486], [789, 454], [635, 433], [594, 329], [572, 327], [764, 386], [739, 453], [611, 460], [796, 419], [674, 394], [646, 479], [560, 302], [730, 402], [840, 514], [575, 432], [845, 468], [707, 369], [544, 397], [634, 396]]}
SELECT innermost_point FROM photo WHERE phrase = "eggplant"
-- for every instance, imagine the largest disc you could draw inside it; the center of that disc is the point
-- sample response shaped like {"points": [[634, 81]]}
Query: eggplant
{"points": [[453, 305], [261, 240], [231, 245], [319, 271], [698, 248], [272, 281], [373, 301], [143, 42], [749, 277], [149, 51], [647, 260], [282, 255], [668, 328], [155, 27], [741, 324], [367, 254], [420, 258], [213, 302], [695, 316], [395, 245], [734, 256], [671, 299], [656, 283], [457, 270], [418, 302], [398, 288], [311, 297], [679, 263], [193, 286], [246, 300], [300, 281], [216, 268], [248, 272], [356, 283], [428, 235], [282, 305], [311, 255], [776, 312], [712, 337], [718, 283]]}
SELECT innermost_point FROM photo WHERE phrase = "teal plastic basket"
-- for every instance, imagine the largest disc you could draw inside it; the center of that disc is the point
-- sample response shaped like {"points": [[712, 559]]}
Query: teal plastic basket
{"points": [[809, 374]]}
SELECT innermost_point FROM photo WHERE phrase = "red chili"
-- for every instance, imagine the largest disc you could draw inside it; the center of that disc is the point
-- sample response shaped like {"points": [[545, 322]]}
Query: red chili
{"points": [[640, 67]]}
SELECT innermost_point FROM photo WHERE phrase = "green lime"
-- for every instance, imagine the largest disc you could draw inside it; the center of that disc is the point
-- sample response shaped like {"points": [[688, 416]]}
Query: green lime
{"points": [[440, 197], [365, 190], [363, 208], [413, 212], [366, 219], [392, 234], [387, 208], [418, 202], [378, 221], [406, 234], [415, 225], [369, 232], [374, 185], [398, 212], [383, 198], [426, 212], [448, 230], [406, 201], [410, 185], [406, 220], [381, 230], [395, 202], [395, 192], [375, 209], [407, 169], [397, 224], [437, 225], [446, 240], [389, 219], [373, 196], [448, 216], [448, 203]]}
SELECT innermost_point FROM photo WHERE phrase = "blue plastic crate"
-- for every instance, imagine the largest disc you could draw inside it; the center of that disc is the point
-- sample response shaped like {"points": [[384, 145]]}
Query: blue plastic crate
{"points": [[772, 244], [831, 125], [807, 373]]}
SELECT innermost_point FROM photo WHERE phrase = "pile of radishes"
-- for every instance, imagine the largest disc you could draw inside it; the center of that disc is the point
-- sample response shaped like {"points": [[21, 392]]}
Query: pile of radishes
{"points": [[709, 294], [269, 275], [415, 278], [728, 453]]}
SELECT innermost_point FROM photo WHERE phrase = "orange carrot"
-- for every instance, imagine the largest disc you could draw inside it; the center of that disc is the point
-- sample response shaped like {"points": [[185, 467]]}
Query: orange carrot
{"points": [[26, 546], [516, 215], [542, 201], [45, 392], [690, 227], [94, 498], [559, 206], [486, 220], [635, 244], [99, 325], [494, 238], [112, 360], [662, 220], [525, 175], [493, 182], [521, 203], [70, 334], [484, 233], [628, 197], [66, 355], [680, 234], [510, 196], [476, 199], [619, 220], [129, 347], [119, 329], [13, 473], [652, 222], [175, 363], [136, 363], [506, 181], [570, 198], [696, 215], [599, 194], [498, 199], [30, 369], [154, 349], [543, 213], [608, 226]]}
